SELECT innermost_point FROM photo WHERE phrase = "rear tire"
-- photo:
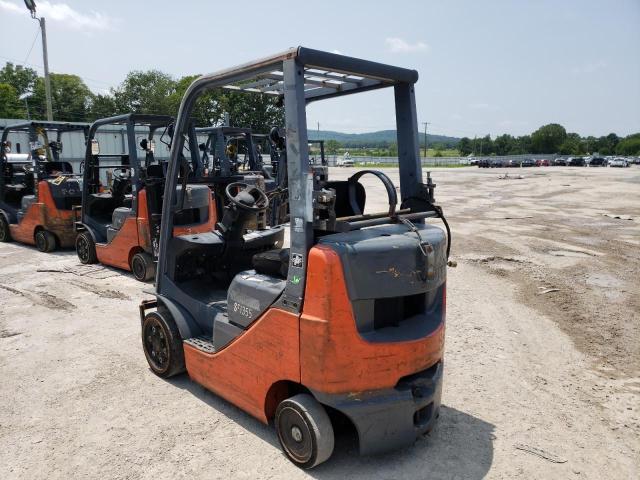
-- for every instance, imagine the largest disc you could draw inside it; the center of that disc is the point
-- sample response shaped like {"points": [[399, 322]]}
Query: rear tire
{"points": [[162, 345], [304, 430], [143, 267], [45, 241], [5, 233], [86, 248]]}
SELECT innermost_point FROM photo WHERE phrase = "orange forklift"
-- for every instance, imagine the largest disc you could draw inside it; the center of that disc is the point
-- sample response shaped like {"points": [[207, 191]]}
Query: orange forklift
{"points": [[118, 223], [38, 189], [350, 318]]}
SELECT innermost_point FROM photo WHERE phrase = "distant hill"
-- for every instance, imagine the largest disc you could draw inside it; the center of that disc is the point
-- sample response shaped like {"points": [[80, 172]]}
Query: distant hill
{"points": [[375, 139]]}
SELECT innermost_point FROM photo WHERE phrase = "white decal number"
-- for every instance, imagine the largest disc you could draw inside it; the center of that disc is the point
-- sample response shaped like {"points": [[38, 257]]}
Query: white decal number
{"points": [[242, 310]]}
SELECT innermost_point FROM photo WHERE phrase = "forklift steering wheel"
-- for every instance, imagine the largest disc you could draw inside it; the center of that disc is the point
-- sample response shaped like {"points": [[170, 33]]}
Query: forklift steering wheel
{"points": [[247, 197]]}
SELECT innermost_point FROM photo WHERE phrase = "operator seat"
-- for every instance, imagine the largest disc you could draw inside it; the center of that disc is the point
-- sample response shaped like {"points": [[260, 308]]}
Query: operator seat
{"points": [[272, 262]]}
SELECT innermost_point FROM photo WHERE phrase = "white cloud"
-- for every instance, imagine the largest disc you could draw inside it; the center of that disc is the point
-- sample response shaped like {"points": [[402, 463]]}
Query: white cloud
{"points": [[11, 7], [589, 67], [399, 45], [63, 14]]}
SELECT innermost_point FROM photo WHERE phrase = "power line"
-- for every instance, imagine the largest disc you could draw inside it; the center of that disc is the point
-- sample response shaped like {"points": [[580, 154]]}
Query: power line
{"points": [[32, 45]]}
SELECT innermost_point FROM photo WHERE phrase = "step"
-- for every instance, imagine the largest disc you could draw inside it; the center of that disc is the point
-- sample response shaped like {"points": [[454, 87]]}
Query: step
{"points": [[201, 343]]}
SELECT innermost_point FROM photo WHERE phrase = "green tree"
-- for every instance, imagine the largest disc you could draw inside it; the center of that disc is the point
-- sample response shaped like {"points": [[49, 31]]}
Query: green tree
{"points": [[548, 138], [485, 145], [523, 145], [503, 144], [70, 98], [465, 147], [146, 92], [22, 79], [590, 144], [255, 111], [572, 145], [9, 102], [207, 109], [332, 146], [102, 106], [629, 145]]}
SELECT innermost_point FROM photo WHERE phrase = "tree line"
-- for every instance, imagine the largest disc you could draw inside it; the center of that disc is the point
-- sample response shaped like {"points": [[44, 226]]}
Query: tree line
{"points": [[22, 95], [550, 139]]}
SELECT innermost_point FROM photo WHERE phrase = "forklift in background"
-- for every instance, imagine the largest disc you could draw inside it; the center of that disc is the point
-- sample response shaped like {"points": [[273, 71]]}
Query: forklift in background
{"points": [[118, 223], [350, 318], [39, 189]]}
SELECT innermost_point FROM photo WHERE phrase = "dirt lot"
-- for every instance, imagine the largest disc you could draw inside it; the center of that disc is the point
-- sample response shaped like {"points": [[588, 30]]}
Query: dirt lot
{"points": [[542, 356]]}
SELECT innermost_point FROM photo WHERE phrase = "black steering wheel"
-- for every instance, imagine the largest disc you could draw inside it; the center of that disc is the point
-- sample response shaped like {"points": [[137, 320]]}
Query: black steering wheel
{"points": [[247, 197], [121, 174]]}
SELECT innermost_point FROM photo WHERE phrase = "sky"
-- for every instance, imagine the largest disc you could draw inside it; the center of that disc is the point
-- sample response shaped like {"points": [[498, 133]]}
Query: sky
{"points": [[489, 67]]}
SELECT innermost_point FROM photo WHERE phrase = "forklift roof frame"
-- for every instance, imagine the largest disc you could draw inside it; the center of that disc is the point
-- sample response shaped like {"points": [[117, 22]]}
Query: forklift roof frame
{"points": [[31, 127], [130, 120], [220, 150], [299, 76]]}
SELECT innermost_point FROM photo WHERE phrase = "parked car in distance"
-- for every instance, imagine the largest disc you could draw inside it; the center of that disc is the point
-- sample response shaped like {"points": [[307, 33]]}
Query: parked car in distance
{"points": [[542, 162], [576, 162], [528, 162], [484, 163], [497, 163], [597, 162], [618, 162], [513, 163], [560, 162], [345, 161]]}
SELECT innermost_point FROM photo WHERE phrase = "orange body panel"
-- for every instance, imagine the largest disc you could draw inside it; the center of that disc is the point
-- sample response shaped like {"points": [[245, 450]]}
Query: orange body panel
{"points": [[334, 358], [45, 214], [134, 235], [116, 252], [244, 371]]}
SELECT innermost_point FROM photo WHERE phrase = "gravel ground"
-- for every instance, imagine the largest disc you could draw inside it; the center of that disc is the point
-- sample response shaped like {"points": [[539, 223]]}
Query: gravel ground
{"points": [[542, 372]]}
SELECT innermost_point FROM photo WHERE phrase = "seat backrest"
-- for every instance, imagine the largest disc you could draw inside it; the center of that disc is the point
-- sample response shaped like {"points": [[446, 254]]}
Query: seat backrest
{"points": [[155, 171], [343, 206], [50, 168]]}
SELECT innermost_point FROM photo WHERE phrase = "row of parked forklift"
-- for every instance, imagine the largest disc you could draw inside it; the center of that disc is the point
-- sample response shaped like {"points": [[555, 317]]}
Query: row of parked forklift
{"points": [[346, 322]]}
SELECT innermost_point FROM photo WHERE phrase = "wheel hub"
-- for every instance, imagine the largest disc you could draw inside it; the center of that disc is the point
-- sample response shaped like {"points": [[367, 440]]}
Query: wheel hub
{"points": [[296, 433], [157, 346]]}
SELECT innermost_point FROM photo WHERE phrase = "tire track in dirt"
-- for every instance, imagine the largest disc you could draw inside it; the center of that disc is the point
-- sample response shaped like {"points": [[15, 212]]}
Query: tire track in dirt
{"points": [[43, 299]]}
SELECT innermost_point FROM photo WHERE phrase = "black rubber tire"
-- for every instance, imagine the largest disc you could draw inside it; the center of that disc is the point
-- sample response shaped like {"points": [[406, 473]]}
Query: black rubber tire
{"points": [[162, 344], [86, 248], [304, 417], [45, 241], [5, 232], [143, 267]]}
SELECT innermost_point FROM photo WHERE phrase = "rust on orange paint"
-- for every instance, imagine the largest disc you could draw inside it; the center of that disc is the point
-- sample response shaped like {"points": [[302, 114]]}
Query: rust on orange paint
{"points": [[45, 214]]}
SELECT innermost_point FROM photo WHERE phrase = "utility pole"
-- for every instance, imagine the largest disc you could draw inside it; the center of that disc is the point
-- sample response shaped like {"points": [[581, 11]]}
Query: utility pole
{"points": [[425, 138], [31, 5]]}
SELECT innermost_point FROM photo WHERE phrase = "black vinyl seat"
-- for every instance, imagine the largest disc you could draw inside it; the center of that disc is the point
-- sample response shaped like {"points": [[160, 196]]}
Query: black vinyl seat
{"points": [[272, 262]]}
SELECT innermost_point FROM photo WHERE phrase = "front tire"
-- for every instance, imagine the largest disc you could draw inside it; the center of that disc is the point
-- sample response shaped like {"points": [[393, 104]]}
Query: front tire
{"points": [[45, 241], [143, 267], [162, 345], [86, 248], [304, 430], [5, 233]]}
